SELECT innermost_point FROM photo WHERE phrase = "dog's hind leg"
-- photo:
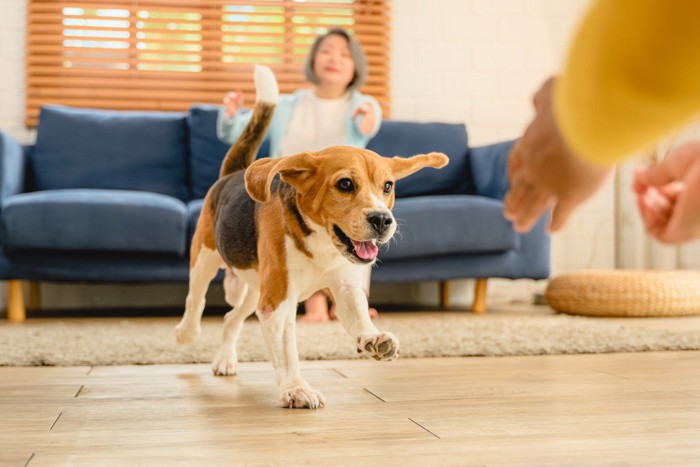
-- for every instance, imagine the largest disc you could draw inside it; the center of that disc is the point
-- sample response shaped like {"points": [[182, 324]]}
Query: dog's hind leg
{"points": [[202, 272], [279, 331], [235, 289], [226, 359]]}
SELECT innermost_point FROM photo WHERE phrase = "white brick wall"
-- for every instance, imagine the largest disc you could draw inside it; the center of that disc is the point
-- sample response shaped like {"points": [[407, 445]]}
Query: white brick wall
{"points": [[491, 56], [12, 28], [471, 61]]}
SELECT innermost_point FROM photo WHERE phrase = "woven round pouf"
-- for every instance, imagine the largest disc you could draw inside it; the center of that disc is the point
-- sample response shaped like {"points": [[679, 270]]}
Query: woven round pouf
{"points": [[626, 293]]}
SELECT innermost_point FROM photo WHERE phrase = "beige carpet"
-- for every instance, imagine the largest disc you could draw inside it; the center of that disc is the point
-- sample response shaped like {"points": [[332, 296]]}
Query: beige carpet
{"points": [[134, 341]]}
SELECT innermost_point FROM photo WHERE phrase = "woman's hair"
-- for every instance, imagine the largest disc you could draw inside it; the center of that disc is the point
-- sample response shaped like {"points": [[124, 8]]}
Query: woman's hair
{"points": [[358, 56]]}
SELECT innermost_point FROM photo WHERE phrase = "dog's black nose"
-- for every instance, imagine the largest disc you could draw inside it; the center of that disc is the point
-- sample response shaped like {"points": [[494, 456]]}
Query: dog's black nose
{"points": [[380, 221]]}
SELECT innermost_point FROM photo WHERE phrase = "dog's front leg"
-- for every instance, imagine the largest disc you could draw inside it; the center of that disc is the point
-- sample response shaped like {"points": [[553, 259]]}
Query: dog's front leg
{"points": [[351, 308], [278, 328], [202, 272]]}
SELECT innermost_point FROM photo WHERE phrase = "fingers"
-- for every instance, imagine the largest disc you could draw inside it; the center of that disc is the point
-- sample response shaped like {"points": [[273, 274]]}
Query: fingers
{"points": [[657, 175], [655, 205], [233, 101], [240, 98], [524, 204], [514, 196], [664, 213], [684, 224], [361, 109], [668, 196], [515, 160], [536, 205], [638, 185], [367, 112], [525, 201], [673, 167], [672, 190], [652, 224], [234, 96], [542, 96], [560, 215]]}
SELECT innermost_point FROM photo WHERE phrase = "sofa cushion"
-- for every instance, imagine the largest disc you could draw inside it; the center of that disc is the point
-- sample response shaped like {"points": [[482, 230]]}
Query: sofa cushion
{"points": [[87, 148], [490, 169], [436, 225], [206, 150], [94, 220], [406, 139], [449, 224], [194, 207]]}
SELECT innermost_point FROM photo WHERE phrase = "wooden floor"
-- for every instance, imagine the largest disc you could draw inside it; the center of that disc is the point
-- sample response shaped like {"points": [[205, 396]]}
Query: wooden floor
{"points": [[610, 409]]}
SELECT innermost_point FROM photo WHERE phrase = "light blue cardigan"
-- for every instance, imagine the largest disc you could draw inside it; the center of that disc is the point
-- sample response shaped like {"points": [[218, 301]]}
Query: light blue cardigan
{"points": [[229, 129]]}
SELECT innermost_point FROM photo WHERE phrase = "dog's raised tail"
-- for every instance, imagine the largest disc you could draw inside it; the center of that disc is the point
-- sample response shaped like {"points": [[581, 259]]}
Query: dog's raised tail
{"points": [[242, 153], [266, 88]]}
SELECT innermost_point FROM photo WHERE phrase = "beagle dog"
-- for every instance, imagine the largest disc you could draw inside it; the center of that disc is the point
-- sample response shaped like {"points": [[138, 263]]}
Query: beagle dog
{"points": [[285, 228]]}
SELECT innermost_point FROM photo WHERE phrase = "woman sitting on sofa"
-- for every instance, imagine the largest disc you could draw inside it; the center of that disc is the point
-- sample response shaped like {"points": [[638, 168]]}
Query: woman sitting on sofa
{"points": [[329, 113]]}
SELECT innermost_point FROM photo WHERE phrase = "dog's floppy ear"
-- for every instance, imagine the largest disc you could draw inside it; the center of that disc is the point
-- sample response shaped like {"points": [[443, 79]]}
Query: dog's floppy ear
{"points": [[258, 178], [297, 170], [403, 167]]}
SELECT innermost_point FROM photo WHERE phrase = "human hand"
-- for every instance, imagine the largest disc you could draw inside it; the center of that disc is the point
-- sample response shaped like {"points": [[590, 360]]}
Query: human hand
{"points": [[233, 101], [668, 195], [545, 173], [367, 111]]}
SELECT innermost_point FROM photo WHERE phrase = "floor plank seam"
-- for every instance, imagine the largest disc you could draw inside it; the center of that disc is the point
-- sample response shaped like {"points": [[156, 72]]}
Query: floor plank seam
{"points": [[340, 373], [611, 374], [55, 421], [89, 371], [374, 394], [29, 460], [689, 394], [424, 428], [80, 389]]}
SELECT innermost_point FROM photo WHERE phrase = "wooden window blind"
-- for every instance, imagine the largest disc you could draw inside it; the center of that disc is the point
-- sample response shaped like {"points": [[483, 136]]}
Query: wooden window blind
{"points": [[169, 54]]}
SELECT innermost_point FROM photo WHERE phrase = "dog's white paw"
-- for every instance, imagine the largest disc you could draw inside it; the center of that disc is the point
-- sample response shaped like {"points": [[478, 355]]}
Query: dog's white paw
{"points": [[382, 346], [301, 397], [187, 332], [224, 363]]}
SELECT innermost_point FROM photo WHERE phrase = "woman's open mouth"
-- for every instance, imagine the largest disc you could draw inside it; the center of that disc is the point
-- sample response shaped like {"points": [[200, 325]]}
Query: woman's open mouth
{"points": [[364, 250]]}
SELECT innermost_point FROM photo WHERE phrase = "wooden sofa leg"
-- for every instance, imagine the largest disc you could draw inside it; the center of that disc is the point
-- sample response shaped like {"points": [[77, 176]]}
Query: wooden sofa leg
{"points": [[444, 294], [479, 304], [15, 301], [34, 295]]}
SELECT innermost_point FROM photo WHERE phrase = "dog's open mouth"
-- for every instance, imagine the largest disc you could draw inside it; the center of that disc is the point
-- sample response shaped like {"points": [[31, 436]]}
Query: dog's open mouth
{"points": [[365, 251]]}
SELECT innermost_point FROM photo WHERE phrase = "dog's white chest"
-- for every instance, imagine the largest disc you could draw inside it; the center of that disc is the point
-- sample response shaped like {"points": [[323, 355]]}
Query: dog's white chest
{"points": [[308, 275]]}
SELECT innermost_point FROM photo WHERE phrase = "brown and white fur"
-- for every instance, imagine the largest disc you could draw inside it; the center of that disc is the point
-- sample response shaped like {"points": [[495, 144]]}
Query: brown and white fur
{"points": [[286, 228]]}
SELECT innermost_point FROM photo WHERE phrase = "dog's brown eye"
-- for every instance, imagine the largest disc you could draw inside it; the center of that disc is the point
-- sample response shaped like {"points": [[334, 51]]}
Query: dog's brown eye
{"points": [[387, 187], [345, 185]]}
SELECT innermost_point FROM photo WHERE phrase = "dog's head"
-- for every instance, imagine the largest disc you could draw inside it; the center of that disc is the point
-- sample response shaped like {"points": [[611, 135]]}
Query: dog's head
{"points": [[348, 191]]}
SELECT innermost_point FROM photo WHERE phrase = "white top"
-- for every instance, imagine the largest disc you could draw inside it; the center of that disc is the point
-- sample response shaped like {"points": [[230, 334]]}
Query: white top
{"points": [[316, 124]]}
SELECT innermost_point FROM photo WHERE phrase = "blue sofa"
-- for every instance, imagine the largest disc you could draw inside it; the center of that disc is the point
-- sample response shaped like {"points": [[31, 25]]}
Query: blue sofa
{"points": [[113, 197]]}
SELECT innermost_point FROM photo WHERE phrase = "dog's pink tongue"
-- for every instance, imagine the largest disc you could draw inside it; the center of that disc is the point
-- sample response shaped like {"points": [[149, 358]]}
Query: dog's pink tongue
{"points": [[365, 250]]}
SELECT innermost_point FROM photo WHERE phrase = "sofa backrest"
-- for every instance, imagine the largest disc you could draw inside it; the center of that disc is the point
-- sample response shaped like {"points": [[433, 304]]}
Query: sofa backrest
{"points": [[396, 138], [88, 148], [206, 149], [490, 169], [179, 154]]}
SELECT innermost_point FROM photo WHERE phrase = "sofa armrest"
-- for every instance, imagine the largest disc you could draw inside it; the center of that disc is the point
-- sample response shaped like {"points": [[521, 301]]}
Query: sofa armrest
{"points": [[535, 251], [490, 169], [12, 171]]}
